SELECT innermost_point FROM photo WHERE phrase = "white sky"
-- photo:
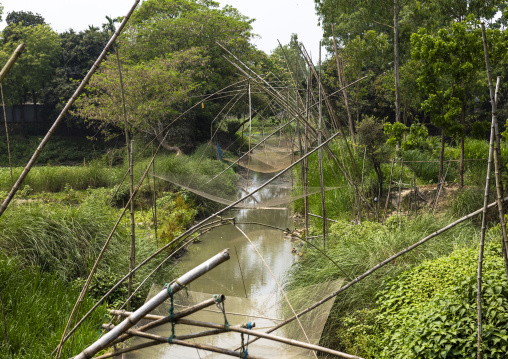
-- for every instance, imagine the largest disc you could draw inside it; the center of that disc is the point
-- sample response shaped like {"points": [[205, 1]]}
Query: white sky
{"points": [[275, 19]]}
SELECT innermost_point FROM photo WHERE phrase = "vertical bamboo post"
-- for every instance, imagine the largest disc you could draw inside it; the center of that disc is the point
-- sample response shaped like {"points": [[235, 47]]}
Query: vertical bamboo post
{"points": [[306, 161], [320, 154], [482, 241], [496, 158], [154, 205], [389, 190], [250, 134], [132, 256], [5, 70], [399, 200], [7, 134]]}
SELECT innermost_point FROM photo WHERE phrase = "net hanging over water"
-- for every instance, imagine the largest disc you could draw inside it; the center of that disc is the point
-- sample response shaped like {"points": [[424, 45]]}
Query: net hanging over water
{"points": [[266, 311]]}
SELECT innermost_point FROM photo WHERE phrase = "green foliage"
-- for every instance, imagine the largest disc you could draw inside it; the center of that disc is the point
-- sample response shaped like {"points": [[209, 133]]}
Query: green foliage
{"points": [[37, 305], [357, 248], [395, 132], [417, 137], [37, 64], [61, 239], [175, 215], [430, 311], [55, 179]]}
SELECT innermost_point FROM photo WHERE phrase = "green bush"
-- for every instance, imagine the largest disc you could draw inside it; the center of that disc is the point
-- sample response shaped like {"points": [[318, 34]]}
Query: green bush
{"points": [[357, 248]]}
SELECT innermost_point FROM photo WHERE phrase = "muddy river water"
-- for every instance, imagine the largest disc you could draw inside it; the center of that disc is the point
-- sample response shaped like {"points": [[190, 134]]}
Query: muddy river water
{"points": [[252, 294]]}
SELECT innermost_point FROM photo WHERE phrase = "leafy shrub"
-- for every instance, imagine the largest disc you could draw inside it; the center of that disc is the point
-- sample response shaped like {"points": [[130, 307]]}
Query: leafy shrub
{"points": [[357, 248], [430, 311]]}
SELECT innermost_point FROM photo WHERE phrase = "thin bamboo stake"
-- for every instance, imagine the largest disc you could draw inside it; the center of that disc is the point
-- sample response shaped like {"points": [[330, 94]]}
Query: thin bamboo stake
{"points": [[482, 242], [497, 173], [7, 134], [380, 265], [320, 155], [146, 308], [440, 188], [71, 101], [363, 173], [278, 284], [129, 147], [400, 188], [389, 190], [306, 161], [164, 340], [5, 70], [241, 273], [270, 337]]}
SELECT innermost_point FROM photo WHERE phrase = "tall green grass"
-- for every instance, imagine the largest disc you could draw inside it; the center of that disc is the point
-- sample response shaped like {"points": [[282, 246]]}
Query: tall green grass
{"points": [[357, 248], [60, 238], [55, 179], [37, 306]]}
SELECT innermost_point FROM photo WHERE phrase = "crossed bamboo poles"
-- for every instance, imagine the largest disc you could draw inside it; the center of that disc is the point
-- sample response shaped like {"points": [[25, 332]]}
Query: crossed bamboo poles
{"points": [[123, 331]]}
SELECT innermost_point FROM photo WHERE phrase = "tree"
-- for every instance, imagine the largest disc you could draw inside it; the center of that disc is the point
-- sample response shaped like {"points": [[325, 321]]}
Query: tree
{"points": [[372, 138], [452, 60], [23, 18], [35, 69], [170, 47], [79, 52]]}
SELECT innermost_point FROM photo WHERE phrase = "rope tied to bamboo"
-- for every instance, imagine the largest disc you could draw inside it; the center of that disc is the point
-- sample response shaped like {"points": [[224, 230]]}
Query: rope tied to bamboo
{"points": [[171, 313], [245, 348], [220, 304]]}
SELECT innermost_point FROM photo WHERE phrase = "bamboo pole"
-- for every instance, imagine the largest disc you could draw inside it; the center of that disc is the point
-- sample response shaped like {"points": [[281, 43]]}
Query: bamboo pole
{"points": [[5, 70], [175, 340], [160, 320], [270, 337], [7, 134], [241, 273], [320, 154], [146, 308], [400, 189], [71, 101], [12, 60], [129, 146], [380, 265], [482, 242], [496, 159], [389, 190]]}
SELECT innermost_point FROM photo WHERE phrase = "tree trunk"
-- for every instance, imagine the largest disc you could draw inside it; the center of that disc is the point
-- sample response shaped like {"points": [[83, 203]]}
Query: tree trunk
{"points": [[396, 53], [168, 147]]}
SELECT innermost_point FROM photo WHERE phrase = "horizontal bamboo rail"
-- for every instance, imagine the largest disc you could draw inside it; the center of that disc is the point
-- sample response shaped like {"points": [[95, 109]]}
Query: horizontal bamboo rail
{"points": [[146, 308], [268, 336], [159, 320]]}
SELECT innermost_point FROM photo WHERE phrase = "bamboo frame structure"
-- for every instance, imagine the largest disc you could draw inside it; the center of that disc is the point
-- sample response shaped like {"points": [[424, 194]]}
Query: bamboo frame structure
{"points": [[135, 317]]}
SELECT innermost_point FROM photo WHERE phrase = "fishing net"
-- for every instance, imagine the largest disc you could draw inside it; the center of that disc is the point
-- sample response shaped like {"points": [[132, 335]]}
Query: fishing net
{"points": [[266, 311]]}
